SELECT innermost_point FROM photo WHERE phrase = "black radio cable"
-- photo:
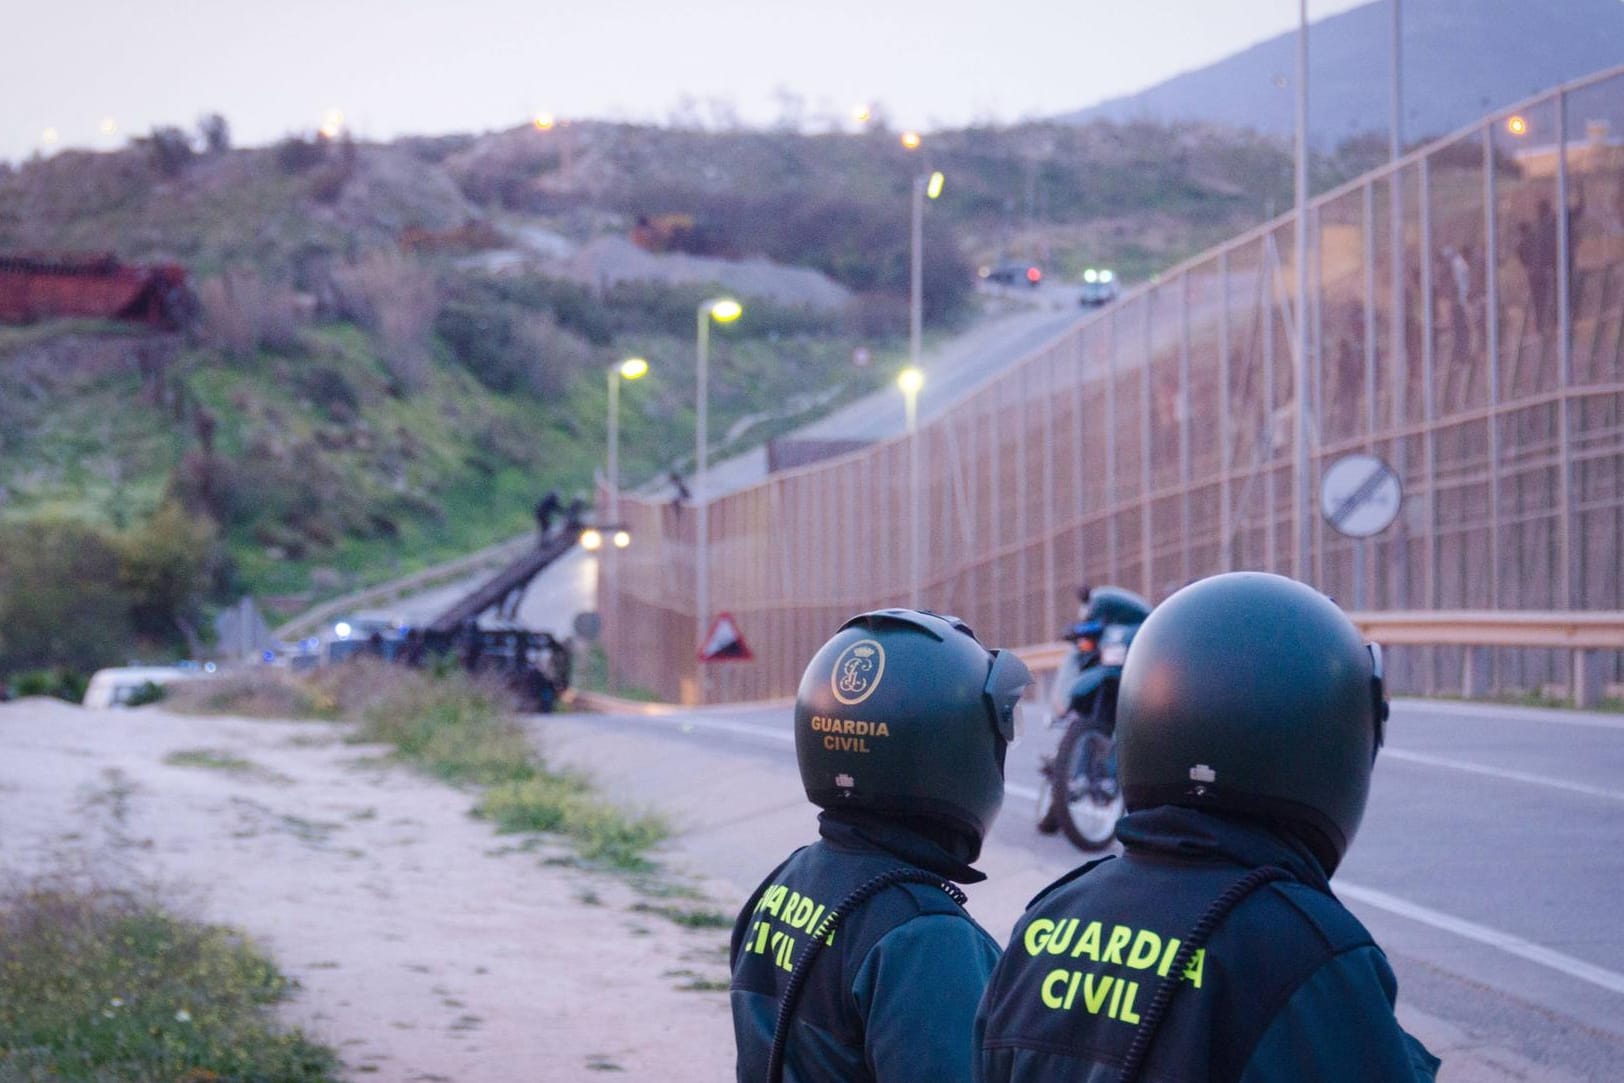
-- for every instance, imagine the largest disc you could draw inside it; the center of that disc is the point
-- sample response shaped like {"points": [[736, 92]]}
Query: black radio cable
{"points": [[803, 966], [1215, 913]]}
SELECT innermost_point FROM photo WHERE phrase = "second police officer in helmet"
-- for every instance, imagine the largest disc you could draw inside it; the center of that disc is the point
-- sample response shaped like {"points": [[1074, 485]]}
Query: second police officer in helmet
{"points": [[1213, 949], [855, 959]]}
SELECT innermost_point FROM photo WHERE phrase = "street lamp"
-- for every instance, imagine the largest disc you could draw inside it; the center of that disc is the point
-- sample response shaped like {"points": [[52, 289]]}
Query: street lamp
{"points": [[722, 310], [633, 368], [910, 380], [926, 185]]}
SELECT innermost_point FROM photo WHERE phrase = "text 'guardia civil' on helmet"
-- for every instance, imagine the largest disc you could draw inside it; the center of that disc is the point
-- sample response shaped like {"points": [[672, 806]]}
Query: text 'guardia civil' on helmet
{"points": [[1253, 693], [905, 712]]}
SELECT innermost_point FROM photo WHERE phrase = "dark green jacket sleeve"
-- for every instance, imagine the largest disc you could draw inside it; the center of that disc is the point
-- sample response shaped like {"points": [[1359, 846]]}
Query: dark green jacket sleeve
{"points": [[917, 990], [1338, 1027]]}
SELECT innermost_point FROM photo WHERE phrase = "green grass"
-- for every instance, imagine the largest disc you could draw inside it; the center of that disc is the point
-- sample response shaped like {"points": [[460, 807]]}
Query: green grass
{"points": [[102, 987]]}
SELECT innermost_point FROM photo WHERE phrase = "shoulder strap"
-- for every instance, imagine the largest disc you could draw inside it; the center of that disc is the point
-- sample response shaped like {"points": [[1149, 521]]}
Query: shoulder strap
{"points": [[903, 874]]}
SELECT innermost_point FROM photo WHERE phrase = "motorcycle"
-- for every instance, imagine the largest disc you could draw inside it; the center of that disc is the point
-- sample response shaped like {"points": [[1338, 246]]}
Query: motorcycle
{"points": [[1080, 796]]}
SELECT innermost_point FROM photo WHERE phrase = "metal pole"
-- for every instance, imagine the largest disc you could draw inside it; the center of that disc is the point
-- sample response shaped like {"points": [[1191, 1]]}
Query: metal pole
{"points": [[613, 589], [1491, 301], [1429, 402], [1564, 347], [1147, 417], [1185, 455], [1112, 491], [1226, 528], [1395, 131], [1361, 547], [1300, 348], [916, 288], [910, 400], [701, 498]]}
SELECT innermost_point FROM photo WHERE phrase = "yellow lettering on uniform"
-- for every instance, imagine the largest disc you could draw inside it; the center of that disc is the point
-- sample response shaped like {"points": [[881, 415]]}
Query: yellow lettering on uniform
{"points": [[1089, 944], [1128, 1014], [1120, 935], [1116, 999], [1146, 946], [1061, 940], [811, 925], [1168, 951], [829, 742], [1050, 997], [1094, 995], [761, 937], [797, 916], [773, 899], [1037, 935], [1192, 973], [1071, 990]]}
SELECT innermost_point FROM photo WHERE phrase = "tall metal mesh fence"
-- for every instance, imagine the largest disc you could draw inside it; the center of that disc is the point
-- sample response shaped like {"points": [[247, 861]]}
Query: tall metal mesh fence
{"points": [[1465, 323]]}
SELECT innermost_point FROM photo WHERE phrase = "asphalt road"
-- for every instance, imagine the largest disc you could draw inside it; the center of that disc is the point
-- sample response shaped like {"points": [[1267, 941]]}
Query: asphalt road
{"points": [[1488, 864]]}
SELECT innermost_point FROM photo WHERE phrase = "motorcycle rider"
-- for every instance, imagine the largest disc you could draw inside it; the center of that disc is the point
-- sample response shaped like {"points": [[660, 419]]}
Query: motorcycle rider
{"points": [[1248, 721], [901, 724]]}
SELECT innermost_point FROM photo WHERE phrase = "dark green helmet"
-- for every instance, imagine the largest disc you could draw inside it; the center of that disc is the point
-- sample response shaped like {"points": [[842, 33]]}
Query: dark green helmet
{"points": [[1116, 605], [904, 712], [1253, 693]]}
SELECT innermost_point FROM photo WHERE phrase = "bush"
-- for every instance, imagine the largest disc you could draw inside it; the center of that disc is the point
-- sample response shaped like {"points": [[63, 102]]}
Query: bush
{"points": [[169, 150], [396, 299], [64, 684], [295, 155], [62, 602], [165, 565], [98, 985], [242, 313]]}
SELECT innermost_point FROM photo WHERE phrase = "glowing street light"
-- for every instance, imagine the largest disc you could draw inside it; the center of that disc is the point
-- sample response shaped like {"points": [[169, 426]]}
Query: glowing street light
{"points": [[862, 114], [722, 310], [1517, 125], [544, 122], [633, 368], [910, 140], [332, 123]]}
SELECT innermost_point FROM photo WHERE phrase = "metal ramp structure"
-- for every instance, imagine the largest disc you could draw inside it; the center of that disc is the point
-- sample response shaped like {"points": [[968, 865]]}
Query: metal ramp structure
{"points": [[503, 590]]}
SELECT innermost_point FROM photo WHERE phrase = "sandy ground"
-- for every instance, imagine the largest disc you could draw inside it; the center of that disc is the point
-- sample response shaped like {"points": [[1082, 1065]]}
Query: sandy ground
{"points": [[428, 946]]}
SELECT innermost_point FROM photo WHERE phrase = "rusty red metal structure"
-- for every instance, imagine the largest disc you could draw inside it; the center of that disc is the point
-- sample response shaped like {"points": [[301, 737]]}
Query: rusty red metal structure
{"points": [[37, 287]]}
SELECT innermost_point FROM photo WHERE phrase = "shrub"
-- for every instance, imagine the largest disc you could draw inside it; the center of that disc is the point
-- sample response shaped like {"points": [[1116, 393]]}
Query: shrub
{"points": [[169, 150], [98, 985], [62, 602], [295, 154], [165, 567], [242, 312], [396, 299], [215, 133]]}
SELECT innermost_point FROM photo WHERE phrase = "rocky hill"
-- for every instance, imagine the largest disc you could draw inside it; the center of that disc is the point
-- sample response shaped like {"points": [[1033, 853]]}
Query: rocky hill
{"points": [[1462, 59], [402, 346]]}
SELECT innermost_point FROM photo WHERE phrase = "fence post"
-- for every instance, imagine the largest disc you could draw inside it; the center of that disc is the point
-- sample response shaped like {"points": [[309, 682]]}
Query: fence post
{"points": [[1226, 530], [1564, 320]]}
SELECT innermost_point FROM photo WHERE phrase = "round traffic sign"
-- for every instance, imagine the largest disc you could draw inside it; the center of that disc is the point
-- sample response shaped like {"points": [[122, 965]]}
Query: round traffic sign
{"points": [[1360, 495]]}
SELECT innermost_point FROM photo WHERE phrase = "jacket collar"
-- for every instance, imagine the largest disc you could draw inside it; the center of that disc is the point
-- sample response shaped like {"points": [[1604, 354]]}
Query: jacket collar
{"points": [[862, 830], [1192, 835]]}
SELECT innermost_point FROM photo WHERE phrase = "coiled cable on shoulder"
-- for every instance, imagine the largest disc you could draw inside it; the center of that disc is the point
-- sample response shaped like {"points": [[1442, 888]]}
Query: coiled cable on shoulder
{"points": [[803, 966], [1215, 913]]}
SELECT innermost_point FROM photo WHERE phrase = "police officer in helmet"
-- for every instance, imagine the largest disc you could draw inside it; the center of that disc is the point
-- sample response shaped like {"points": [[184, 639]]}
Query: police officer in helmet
{"points": [[1213, 949], [855, 959]]}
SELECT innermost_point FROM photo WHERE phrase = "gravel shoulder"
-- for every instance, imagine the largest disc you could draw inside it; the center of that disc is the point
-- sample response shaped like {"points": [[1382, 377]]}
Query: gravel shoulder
{"points": [[428, 947]]}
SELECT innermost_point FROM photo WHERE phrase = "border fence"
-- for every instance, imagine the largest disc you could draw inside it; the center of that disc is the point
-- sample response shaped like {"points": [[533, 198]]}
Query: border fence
{"points": [[1465, 323]]}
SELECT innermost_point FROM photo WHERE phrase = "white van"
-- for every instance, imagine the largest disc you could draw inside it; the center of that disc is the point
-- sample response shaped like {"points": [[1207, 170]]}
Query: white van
{"points": [[115, 687]]}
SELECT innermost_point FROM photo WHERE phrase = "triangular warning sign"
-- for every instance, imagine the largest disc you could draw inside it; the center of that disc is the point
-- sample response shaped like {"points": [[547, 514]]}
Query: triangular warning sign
{"points": [[724, 642]]}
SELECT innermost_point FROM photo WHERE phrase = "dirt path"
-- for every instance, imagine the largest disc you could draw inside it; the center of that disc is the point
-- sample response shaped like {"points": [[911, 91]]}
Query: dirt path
{"points": [[429, 947]]}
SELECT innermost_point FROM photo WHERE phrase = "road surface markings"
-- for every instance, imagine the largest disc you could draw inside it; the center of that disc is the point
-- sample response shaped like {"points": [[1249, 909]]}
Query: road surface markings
{"points": [[1500, 772], [1494, 938]]}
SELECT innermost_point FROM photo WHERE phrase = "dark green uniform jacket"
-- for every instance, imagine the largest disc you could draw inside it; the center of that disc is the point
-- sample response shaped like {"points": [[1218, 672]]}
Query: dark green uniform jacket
{"points": [[1290, 987], [893, 997]]}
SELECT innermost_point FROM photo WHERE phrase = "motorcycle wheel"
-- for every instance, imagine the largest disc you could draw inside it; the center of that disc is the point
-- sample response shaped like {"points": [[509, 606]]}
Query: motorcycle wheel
{"points": [[1048, 823], [1086, 808]]}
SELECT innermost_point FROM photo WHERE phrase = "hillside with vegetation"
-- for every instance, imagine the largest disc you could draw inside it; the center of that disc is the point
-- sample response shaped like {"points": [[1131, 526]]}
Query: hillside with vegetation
{"points": [[400, 347]]}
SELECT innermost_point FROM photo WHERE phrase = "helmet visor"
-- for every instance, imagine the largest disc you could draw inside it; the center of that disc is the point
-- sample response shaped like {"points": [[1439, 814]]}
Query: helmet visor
{"points": [[1378, 696], [1006, 683]]}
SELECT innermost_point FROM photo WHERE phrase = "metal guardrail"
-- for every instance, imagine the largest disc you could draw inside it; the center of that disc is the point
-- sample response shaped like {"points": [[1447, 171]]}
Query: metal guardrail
{"points": [[1577, 632], [383, 593]]}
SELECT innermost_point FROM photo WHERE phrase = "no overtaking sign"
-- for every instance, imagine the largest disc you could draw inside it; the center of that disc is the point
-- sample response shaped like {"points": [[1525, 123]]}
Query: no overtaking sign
{"points": [[1360, 495]]}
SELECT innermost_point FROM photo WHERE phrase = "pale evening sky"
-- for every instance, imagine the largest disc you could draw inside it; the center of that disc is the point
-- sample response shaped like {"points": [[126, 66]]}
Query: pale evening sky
{"points": [[69, 67]]}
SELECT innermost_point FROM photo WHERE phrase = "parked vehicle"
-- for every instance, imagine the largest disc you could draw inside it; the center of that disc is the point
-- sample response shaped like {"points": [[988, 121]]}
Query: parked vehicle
{"points": [[1080, 796], [126, 686]]}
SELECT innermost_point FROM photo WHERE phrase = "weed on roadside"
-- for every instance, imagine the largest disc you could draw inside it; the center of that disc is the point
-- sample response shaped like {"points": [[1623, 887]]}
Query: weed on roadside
{"points": [[98, 984], [690, 919], [216, 760]]}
